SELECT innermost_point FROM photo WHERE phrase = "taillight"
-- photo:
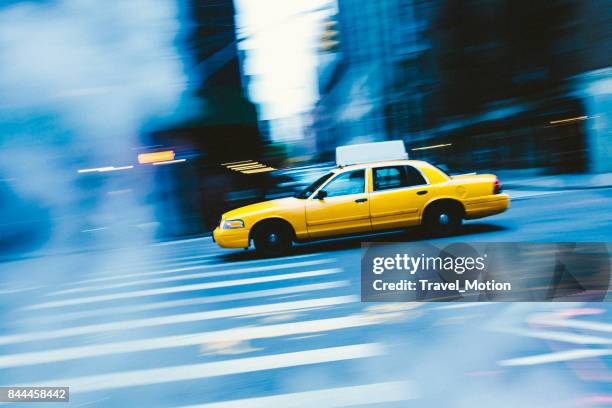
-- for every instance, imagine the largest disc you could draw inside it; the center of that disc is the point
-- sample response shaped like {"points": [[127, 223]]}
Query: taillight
{"points": [[497, 187]]}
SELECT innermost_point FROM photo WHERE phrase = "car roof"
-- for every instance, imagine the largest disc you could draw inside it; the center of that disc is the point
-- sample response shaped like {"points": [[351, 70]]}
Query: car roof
{"points": [[415, 163]]}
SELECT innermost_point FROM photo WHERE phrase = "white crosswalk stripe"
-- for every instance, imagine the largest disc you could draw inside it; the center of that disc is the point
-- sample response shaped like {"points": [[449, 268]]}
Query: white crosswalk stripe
{"points": [[200, 240], [175, 319], [181, 288], [561, 336], [143, 307], [560, 356], [575, 324], [123, 276], [206, 370], [378, 393], [192, 276]]}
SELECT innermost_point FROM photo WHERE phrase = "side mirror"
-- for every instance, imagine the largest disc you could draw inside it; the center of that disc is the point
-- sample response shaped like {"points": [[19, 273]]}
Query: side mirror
{"points": [[321, 194]]}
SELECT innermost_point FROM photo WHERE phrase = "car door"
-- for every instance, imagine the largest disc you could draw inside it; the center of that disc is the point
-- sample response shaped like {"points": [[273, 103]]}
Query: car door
{"points": [[398, 196], [344, 209]]}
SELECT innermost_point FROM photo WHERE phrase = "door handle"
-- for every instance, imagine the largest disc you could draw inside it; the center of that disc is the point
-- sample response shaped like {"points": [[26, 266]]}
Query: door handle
{"points": [[421, 192], [361, 200]]}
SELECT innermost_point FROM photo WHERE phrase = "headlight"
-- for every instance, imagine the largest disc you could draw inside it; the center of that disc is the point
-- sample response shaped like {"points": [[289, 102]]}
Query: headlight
{"points": [[232, 224]]}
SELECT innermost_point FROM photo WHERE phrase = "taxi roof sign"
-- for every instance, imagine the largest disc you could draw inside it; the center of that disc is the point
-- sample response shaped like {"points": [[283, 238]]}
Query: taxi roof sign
{"points": [[370, 152]]}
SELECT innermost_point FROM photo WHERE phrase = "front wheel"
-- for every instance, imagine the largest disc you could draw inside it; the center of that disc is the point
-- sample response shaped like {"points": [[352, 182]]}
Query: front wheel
{"points": [[442, 220], [272, 239]]}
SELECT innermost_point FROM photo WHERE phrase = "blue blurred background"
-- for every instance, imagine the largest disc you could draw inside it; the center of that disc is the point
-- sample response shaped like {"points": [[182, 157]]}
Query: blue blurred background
{"points": [[128, 127]]}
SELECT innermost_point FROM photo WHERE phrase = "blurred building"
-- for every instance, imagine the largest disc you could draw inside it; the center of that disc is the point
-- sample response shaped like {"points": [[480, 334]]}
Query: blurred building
{"points": [[471, 84], [224, 128], [353, 74], [227, 117]]}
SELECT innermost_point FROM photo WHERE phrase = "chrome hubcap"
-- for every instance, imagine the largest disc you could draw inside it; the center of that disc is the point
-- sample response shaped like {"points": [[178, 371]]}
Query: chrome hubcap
{"points": [[443, 219], [273, 238]]}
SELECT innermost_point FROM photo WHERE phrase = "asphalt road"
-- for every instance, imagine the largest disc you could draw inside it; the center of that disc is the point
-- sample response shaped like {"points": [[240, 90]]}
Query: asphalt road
{"points": [[183, 323]]}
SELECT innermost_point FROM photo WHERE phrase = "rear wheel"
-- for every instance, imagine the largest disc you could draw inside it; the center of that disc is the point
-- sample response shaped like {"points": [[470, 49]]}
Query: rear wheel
{"points": [[272, 239], [442, 219]]}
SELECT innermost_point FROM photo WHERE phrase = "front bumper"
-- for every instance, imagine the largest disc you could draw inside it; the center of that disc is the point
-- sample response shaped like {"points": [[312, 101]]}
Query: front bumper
{"points": [[231, 238]]}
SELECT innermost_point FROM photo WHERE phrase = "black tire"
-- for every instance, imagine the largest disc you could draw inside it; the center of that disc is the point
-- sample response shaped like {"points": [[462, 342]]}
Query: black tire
{"points": [[442, 219], [272, 239]]}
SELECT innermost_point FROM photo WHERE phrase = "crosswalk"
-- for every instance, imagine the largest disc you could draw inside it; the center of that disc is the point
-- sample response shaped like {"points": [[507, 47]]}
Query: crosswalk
{"points": [[183, 324], [187, 318]]}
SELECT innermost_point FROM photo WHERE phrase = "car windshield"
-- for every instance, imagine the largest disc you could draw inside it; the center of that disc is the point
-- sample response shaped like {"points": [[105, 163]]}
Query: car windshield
{"points": [[307, 192]]}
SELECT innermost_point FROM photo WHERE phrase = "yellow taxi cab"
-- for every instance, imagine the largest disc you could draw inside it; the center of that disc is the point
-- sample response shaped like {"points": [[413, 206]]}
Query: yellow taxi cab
{"points": [[358, 197]]}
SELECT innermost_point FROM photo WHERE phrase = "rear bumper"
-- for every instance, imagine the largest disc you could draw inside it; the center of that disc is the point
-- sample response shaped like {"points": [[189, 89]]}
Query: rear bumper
{"points": [[231, 238], [484, 206]]}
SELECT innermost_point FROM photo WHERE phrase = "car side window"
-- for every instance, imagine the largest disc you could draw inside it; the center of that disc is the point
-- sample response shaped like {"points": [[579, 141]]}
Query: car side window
{"points": [[386, 178], [351, 182], [414, 177]]}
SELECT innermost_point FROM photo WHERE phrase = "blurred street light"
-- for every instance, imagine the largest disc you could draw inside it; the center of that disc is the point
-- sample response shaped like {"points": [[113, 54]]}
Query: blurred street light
{"points": [[161, 163], [163, 156], [432, 147], [104, 169], [330, 39], [262, 170]]}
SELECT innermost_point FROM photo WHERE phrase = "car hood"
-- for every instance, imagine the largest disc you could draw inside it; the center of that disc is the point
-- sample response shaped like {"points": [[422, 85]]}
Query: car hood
{"points": [[271, 206]]}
